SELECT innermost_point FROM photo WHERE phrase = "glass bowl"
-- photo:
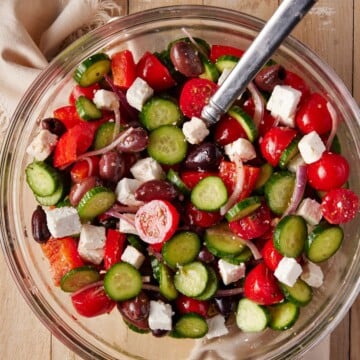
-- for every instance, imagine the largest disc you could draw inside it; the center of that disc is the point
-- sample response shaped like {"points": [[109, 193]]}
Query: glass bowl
{"points": [[106, 337]]}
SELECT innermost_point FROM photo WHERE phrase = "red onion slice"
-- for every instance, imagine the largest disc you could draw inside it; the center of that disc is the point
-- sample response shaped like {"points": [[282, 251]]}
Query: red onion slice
{"points": [[334, 125], [196, 45], [258, 102], [99, 284], [126, 217], [229, 292], [254, 250]]}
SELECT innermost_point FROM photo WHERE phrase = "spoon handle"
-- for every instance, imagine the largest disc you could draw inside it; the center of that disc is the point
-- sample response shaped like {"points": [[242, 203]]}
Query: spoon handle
{"points": [[280, 25]]}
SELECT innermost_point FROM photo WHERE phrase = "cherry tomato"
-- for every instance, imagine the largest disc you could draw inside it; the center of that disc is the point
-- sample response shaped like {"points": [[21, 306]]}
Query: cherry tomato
{"points": [[313, 115], [227, 130], [270, 255], [219, 50], [195, 94], [274, 142], [266, 123], [191, 178], [298, 83], [340, 206], [331, 171], [123, 68], [88, 91], [261, 286], [156, 221], [253, 225], [201, 218], [114, 247], [92, 301], [187, 305], [85, 168]]}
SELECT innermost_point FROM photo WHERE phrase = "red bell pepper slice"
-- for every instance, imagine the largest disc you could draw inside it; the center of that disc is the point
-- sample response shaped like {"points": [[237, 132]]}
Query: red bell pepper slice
{"points": [[68, 116], [88, 91], [123, 68], [114, 247]]}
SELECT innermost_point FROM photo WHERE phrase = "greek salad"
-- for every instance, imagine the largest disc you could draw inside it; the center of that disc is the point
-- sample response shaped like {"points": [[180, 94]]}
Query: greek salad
{"points": [[146, 211]]}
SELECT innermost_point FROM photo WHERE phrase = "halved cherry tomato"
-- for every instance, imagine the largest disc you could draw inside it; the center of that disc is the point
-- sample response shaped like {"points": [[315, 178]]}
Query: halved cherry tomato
{"points": [[187, 305], [227, 130], [340, 206], [92, 301], [195, 94], [261, 286], [274, 142], [85, 168], [156, 221], [191, 178], [219, 50], [201, 218], [331, 171], [114, 247], [78, 90], [270, 255], [123, 68]]}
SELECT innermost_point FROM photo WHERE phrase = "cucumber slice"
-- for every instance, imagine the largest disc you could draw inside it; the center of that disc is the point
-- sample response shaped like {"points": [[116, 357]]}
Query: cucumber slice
{"points": [[266, 171], [221, 242], [42, 178], [289, 153], [211, 286], [134, 328], [323, 242], [191, 325], [54, 198], [278, 191], [250, 316], [95, 202], [86, 109], [210, 70], [167, 145], [136, 242], [290, 235], [92, 69], [283, 315], [300, 293], [243, 208], [122, 281], [159, 111], [209, 194], [104, 135], [181, 249], [155, 266], [245, 120], [77, 278], [226, 62], [175, 179], [243, 257], [167, 287], [191, 279]]}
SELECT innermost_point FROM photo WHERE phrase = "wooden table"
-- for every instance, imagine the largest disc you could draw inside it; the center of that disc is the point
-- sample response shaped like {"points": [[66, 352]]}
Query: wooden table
{"points": [[331, 29]]}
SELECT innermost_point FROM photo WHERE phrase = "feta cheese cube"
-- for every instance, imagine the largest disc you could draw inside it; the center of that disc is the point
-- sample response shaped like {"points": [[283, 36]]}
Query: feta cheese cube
{"points": [[242, 148], [310, 210], [127, 227], [288, 271], [147, 169], [216, 327], [283, 103], [311, 147], [160, 315], [133, 256], [91, 243], [229, 272], [195, 130], [125, 192], [63, 221], [138, 93], [312, 274], [42, 145], [105, 99]]}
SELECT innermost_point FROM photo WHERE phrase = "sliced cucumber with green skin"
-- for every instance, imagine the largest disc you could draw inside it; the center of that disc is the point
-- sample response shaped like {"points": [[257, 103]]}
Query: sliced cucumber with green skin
{"points": [[167, 145], [266, 170], [191, 279], [42, 178], [104, 135], [136, 329], [210, 70], [289, 153], [226, 62], [283, 315], [86, 109], [92, 69], [278, 191], [175, 179], [181, 249], [211, 286], [77, 278], [122, 281], [243, 257], [323, 242], [95, 202], [245, 120], [250, 316], [54, 198], [191, 326], [136, 242], [290, 235], [222, 242], [209, 194], [155, 265], [300, 293], [243, 208], [159, 111], [167, 287]]}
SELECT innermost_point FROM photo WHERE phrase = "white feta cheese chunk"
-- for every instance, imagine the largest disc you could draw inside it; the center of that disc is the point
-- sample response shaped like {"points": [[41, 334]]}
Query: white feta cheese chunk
{"points": [[226, 72], [229, 272], [91, 243], [242, 148], [63, 221], [288, 271], [311, 147], [310, 210], [312, 274], [195, 130], [283, 103], [105, 99], [160, 315], [42, 145], [295, 162], [133, 256], [216, 327], [147, 169], [127, 227], [125, 191], [138, 93]]}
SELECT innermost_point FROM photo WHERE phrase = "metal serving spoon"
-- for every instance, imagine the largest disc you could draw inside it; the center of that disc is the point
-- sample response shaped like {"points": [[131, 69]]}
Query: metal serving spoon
{"points": [[280, 25]]}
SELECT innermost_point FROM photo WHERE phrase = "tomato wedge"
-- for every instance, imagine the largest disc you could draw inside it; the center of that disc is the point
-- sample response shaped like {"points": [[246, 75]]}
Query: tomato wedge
{"points": [[191, 178], [88, 91], [270, 255], [227, 130], [219, 50], [85, 168], [201, 218], [114, 247]]}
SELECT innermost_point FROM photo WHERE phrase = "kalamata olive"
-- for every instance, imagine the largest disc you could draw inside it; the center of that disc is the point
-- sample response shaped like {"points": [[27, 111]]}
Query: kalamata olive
{"points": [[135, 309], [111, 166], [135, 141], [206, 256], [156, 189], [159, 333], [206, 156], [226, 305], [269, 77], [54, 125], [186, 59], [79, 189], [39, 227]]}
